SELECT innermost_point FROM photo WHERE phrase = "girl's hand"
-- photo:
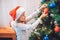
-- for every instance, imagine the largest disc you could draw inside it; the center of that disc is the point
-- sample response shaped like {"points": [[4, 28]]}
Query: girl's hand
{"points": [[43, 15], [43, 6]]}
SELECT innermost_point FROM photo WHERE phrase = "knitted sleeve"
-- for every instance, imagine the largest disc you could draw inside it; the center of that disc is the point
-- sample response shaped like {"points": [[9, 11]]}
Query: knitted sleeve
{"points": [[34, 25], [34, 14]]}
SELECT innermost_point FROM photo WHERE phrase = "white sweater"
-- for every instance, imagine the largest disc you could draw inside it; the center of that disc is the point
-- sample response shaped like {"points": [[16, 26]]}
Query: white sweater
{"points": [[23, 31]]}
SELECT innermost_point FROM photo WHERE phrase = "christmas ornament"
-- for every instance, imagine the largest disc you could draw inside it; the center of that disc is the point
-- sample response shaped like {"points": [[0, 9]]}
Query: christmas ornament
{"points": [[46, 37], [46, 10], [52, 15], [59, 29], [55, 22], [52, 5], [56, 29]]}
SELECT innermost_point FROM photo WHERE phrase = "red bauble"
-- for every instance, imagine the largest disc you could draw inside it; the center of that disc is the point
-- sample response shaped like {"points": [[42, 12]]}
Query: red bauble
{"points": [[46, 10], [56, 29], [59, 29]]}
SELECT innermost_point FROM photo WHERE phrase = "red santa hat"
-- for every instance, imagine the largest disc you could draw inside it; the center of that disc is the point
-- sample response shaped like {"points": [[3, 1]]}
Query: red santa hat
{"points": [[16, 12]]}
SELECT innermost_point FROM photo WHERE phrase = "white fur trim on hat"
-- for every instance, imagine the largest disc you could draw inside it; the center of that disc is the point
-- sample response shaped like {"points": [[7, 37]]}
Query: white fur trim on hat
{"points": [[19, 12]]}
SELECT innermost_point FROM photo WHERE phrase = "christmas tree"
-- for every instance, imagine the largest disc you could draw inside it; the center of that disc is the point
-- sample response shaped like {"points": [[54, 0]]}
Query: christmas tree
{"points": [[50, 29]]}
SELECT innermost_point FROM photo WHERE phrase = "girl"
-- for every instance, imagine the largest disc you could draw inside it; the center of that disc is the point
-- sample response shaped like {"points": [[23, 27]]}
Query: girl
{"points": [[19, 23]]}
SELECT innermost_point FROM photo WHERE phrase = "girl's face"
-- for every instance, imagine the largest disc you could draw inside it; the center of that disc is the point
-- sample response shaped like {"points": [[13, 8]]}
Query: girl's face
{"points": [[22, 18]]}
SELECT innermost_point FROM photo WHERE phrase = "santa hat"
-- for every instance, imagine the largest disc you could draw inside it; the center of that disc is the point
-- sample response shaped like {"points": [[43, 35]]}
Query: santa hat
{"points": [[16, 13], [19, 12]]}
